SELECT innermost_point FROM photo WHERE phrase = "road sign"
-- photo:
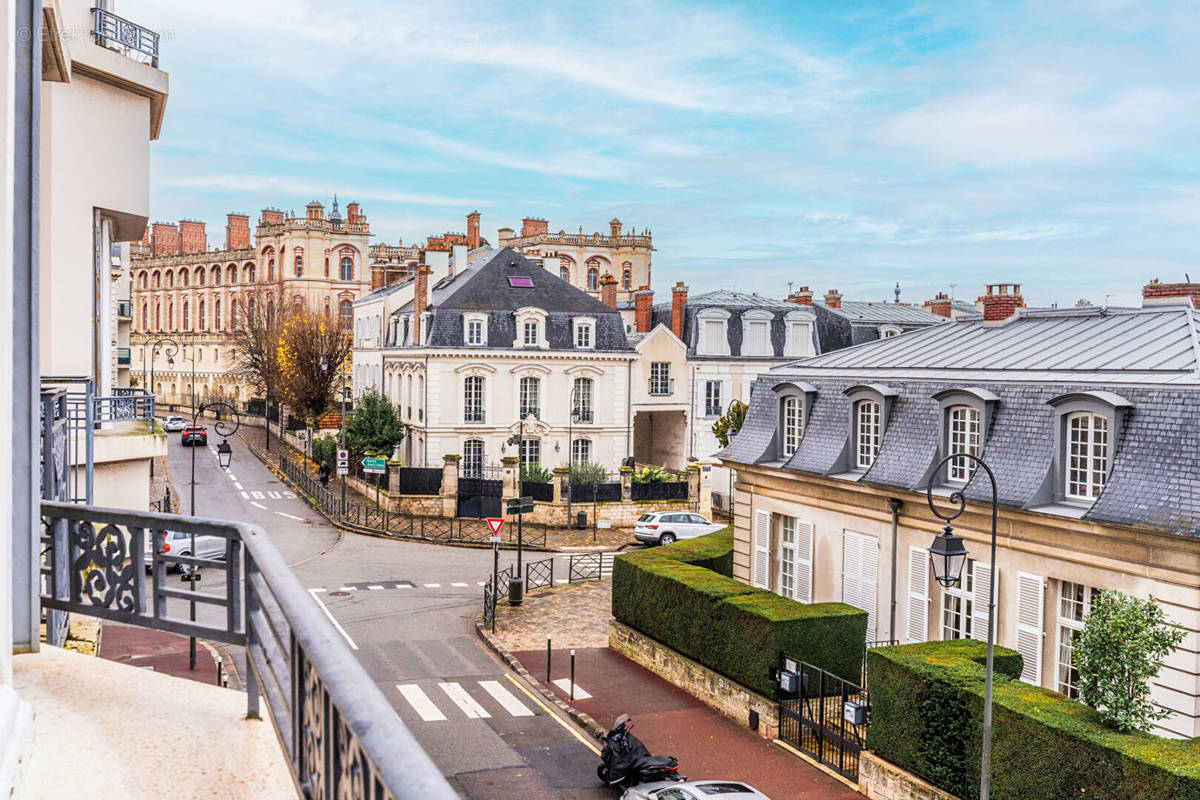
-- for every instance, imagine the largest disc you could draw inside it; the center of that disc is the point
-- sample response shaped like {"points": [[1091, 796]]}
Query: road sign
{"points": [[495, 524], [343, 468], [375, 466], [519, 505], [343, 455]]}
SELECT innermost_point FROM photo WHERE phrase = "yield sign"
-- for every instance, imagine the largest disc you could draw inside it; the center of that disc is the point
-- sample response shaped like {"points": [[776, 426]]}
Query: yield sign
{"points": [[495, 525]]}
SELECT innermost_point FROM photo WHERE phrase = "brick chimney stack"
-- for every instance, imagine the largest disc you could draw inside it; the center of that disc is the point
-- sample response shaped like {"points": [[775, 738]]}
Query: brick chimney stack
{"points": [[833, 298], [615, 226], [192, 238], [378, 276], [420, 300], [1001, 301], [532, 226], [164, 239], [678, 303], [643, 301], [271, 216], [939, 305], [801, 297], [237, 231], [473, 230], [1155, 293], [352, 213], [608, 291]]}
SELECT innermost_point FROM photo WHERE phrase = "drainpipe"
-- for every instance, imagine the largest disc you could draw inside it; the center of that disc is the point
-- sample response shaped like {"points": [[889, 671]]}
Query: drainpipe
{"points": [[894, 504]]}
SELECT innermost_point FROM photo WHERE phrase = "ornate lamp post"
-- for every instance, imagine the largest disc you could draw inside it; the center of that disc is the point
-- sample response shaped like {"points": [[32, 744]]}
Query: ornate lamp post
{"points": [[224, 458], [948, 555]]}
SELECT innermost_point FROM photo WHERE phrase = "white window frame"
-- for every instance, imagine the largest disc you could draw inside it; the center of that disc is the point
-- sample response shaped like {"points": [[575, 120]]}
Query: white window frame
{"points": [[868, 432], [528, 404], [860, 575], [529, 333], [888, 331], [524, 316], [472, 461], [791, 415], [584, 333], [581, 451], [530, 452], [795, 559], [660, 378], [964, 434], [750, 321], [960, 598], [797, 338], [713, 406], [1087, 457], [472, 413], [718, 344], [470, 320], [583, 399], [1067, 626]]}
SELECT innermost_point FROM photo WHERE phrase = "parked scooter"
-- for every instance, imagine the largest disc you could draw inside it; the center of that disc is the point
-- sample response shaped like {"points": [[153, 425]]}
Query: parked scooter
{"points": [[626, 762]]}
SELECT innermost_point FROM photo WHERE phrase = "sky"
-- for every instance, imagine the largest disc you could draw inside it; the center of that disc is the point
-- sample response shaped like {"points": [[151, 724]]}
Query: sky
{"points": [[943, 146]]}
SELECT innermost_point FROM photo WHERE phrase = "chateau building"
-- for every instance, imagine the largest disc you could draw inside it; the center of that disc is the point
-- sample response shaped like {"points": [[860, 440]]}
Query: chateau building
{"points": [[188, 293], [1086, 418]]}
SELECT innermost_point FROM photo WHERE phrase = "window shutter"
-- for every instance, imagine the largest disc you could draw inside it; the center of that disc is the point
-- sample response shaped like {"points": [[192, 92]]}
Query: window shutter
{"points": [[868, 586], [1030, 610], [918, 595], [804, 561], [984, 576], [851, 558], [762, 549]]}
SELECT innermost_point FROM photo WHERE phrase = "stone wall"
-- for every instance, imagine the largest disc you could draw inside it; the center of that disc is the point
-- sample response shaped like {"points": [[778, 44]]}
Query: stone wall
{"points": [[731, 699], [883, 780]]}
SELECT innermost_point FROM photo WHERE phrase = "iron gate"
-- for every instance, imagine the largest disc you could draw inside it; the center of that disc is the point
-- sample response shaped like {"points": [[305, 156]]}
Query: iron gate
{"points": [[479, 495], [824, 716]]}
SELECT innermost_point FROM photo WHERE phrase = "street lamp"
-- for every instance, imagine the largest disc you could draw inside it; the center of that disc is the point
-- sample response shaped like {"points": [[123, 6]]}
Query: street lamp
{"points": [[224, 458], [516, 583], [947, 555]]}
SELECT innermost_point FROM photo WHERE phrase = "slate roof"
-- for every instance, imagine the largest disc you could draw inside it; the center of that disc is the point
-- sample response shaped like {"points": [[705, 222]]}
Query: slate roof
{"points": [[870, 312], [737, 304], [1148, 357]]}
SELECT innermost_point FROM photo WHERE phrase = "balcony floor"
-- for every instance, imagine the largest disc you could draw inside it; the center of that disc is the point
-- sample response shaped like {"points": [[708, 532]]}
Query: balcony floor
{"points": [[106, 729]]}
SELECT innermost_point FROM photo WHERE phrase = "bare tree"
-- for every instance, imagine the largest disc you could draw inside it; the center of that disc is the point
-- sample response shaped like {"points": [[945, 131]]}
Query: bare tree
{"points": [[256, 336], [311, 352]]}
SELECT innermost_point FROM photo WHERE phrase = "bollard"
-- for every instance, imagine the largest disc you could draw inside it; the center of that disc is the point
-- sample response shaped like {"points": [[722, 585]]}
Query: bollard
{"points": [[547, 659], [572, 676], [218, 670]]}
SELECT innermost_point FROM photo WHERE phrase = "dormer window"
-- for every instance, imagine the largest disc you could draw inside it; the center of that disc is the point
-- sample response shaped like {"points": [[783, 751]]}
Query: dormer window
{"points": [[1085, 442], [530, 327], [868, 432], [888, 331], [713, 338], [530, 337], [585, 333], [756, 333], [474, 332], [964, 436], [794, 401], [797, 339]]}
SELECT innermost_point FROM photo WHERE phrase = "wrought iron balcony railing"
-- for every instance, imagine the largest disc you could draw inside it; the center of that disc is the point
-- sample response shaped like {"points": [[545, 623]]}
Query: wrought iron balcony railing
{"points": [[341, 737], [662, 386], [117, 33], [123, 407]]}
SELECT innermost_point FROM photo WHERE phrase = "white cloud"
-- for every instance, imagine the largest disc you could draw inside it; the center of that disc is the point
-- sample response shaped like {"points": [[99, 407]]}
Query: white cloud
{"points": [[240, 182]]}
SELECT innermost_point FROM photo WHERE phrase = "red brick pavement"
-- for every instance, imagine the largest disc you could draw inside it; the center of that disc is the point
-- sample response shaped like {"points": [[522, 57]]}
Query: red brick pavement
{"points": [[672, 722], [165, 652]]}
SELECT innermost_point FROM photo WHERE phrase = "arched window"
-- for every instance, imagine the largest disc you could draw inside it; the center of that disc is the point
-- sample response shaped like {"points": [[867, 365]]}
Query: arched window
{"points": [[142, 280], [531, 397], [1087, 455], [170, 279], [473, 399], [472, 461], [299, 262], [217, 314], [232, 313], [216, 275], [593, 279], [231, 273], [581, 451], [171, 316], [346, 268], [157, 317], [183, 278], [186, 316], [346, 313], [326, 263], [581, 400], [199, 276], [964, 435], [627, 275], [145, 317], [565, 265], [792, 417], [270, 269], [867, 433], [157, 279], [564, 273]]}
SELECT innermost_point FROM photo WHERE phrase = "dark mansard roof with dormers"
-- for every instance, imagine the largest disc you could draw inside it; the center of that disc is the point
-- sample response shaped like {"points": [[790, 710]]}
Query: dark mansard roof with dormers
{"points": [[1146, 361], [498, 283], [737, 305]]}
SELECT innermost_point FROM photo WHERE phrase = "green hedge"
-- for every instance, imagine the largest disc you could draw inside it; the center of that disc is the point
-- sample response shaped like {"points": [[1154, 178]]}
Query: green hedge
{"points": [[682, 596], [927, 717]]}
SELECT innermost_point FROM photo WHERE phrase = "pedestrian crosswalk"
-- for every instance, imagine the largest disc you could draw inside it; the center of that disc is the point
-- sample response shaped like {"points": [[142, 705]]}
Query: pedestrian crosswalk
{"points": [[563, 567], [475, 700]]}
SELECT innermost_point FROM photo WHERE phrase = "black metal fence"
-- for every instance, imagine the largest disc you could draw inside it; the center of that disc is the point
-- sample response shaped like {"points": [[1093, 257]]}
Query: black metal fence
{"points": [[595, 492], [585, 567], [539, 574], [825, 716], [668, 490], [540, 492], [420, 480]]}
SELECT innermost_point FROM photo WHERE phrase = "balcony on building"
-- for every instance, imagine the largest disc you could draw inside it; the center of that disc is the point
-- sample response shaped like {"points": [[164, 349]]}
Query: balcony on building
{"points": [[124, 310]]}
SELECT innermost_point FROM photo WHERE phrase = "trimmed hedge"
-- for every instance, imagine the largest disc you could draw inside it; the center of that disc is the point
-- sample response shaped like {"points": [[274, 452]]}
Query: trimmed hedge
{"points": [[682, 596], [927, 717]]}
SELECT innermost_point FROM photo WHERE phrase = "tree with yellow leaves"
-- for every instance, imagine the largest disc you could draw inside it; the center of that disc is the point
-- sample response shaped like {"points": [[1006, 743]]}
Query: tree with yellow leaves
{"points": [[311, 354]]}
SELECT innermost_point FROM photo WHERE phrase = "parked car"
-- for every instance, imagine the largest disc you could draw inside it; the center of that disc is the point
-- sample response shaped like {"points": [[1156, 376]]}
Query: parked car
{"points": [[177, 543], [694, 790], [174, 423], [664, 527], [193, 435]]}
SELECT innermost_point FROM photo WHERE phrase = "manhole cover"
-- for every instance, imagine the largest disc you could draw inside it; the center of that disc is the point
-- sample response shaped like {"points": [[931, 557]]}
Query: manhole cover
{"points": [[338, 594]]}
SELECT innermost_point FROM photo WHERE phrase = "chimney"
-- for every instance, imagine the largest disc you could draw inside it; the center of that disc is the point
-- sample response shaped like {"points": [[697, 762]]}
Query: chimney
{"points": [[352, 212], [420, 301], [191, 237], [1156, 294], [164, 239], [237, 231], [615, 225], [833, 298], [473, 230], [678, 302], [1001, 301], [532, 226], [459, 263], [438, 262], [377, 276], [271, 216], [801, 297], [504, 234], [315, 210], [608, 291], [939, 305], [643, 300]]}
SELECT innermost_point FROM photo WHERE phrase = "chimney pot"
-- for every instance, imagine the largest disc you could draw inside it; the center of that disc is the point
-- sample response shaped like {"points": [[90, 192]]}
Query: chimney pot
{"points": [[1158, 293], [678, 303], [608, 291], [833, 298], [643, 301], [1000, 303]]}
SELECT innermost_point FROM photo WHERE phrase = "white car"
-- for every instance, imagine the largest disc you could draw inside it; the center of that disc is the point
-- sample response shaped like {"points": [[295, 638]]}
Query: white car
{"points": [[664, 527], [174, 423], [694, 790], [178, 543]]}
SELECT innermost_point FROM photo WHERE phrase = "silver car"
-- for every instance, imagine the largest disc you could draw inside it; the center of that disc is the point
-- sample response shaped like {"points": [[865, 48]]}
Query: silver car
{"points": [[694, 790], [178, 543], [664, 527], [174, 423]]}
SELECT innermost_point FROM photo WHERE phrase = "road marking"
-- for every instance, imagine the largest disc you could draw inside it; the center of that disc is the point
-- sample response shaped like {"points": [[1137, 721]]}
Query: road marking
{"points": [[274, 495], [464, 701], [259, 505], [289, 516], [347, 588], [460, 584], [258, 495], [317, 590], [482, 583], [405, 586], [433, 586], [290, 495], [230, 476], [420, 702], [553, 716], [239, 486], [336, 624], [565, 685], [374, 587], [245, 495], [504, 697]]}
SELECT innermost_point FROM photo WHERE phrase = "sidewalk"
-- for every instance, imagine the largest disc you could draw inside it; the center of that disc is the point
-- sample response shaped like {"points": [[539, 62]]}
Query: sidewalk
{"points": [[558, 540], [156, 650], [668, 719]]}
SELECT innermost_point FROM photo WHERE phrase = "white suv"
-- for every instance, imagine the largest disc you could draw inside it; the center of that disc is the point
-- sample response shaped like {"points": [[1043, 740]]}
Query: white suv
{"points": [[664, 527]]}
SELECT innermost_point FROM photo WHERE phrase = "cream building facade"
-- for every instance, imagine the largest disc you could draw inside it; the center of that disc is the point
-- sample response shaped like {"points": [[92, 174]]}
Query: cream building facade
{"points": [[1090, 435], [190, 295]]}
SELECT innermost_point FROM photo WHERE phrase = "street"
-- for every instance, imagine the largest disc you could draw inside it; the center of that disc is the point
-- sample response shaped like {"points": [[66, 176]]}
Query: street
{"points": [[408, 610]]}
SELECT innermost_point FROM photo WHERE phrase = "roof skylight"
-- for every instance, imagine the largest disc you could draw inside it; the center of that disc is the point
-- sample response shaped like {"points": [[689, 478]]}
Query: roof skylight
{"points": [[520, 281]]}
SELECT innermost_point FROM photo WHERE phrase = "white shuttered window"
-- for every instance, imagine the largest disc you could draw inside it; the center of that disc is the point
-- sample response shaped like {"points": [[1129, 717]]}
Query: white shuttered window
{"points": [[760, 567], [860, 575], [795, 559], [918, 595], [1030, 612], [984, 576]]}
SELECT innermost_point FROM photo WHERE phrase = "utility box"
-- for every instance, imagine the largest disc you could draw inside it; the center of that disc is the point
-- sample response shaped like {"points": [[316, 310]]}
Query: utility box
{"points": [[854, 713], [787, 681], [581, 520]]}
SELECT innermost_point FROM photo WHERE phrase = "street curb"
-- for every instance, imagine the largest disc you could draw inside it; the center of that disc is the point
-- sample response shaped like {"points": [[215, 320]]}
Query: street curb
{"points": [[396, 537], [583, 720]]}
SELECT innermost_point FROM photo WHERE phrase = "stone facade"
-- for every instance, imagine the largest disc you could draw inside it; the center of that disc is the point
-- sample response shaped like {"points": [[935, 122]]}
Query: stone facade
{"points": [[883, 780]]}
